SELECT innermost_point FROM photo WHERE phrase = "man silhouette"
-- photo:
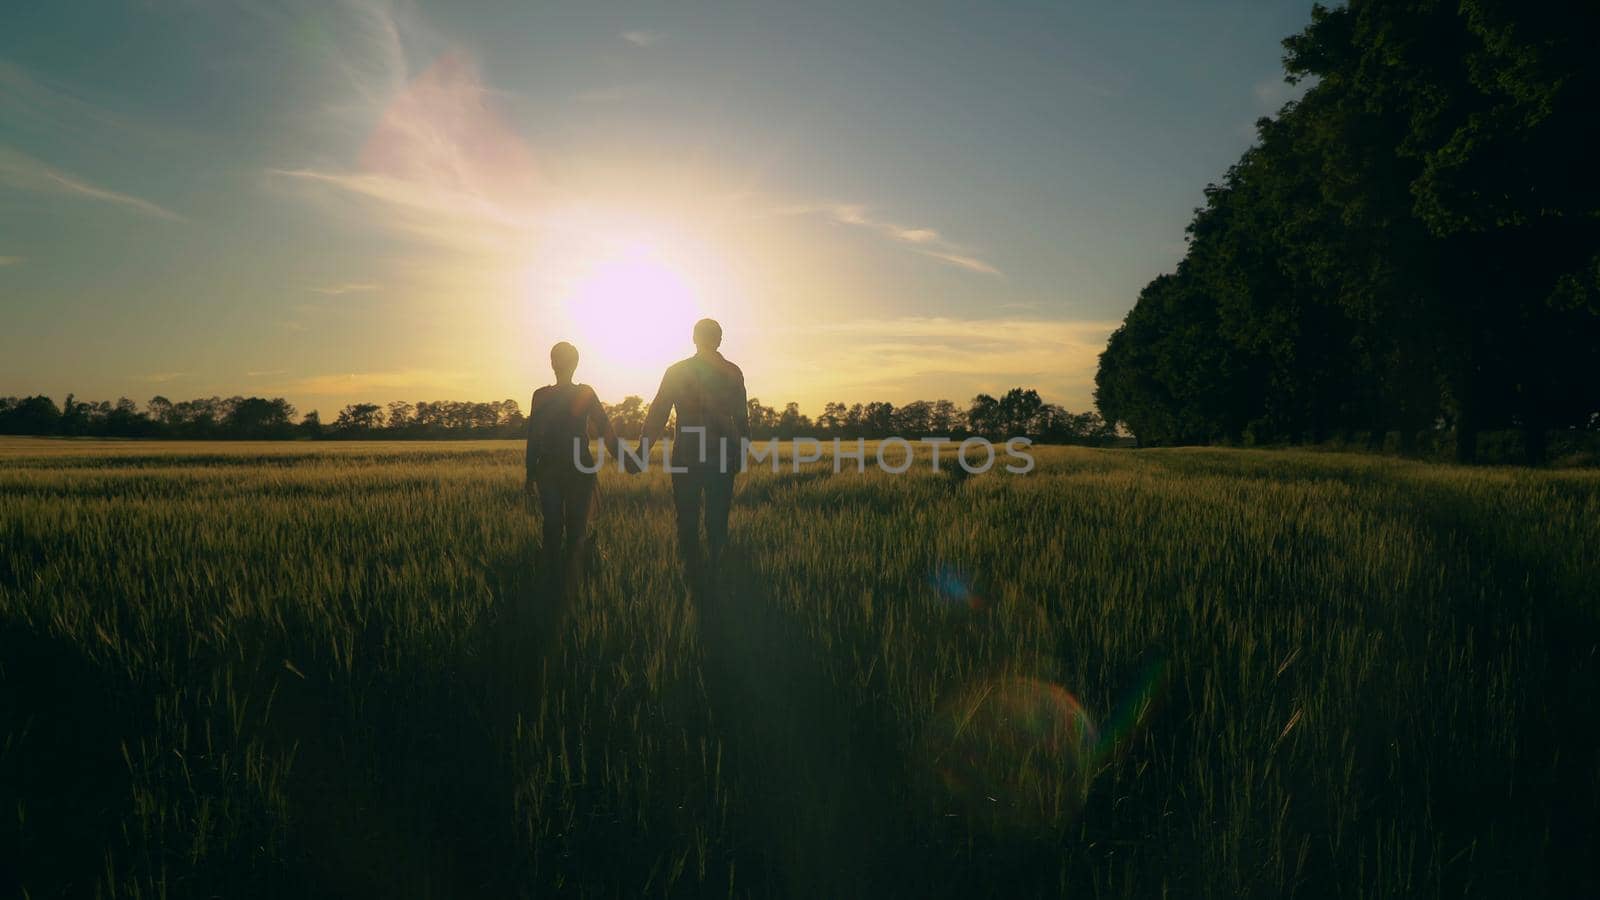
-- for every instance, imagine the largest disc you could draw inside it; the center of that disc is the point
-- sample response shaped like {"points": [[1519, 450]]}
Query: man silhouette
{"points": [[708, 393]]}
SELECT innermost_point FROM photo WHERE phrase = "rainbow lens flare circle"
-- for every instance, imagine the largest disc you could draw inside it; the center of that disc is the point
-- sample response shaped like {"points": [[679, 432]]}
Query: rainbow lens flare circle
{"points": [[1012, 751]]}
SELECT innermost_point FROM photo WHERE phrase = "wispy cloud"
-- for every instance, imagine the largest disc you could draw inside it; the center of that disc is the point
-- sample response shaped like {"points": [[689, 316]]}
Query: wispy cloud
{"points": [[160, 377], [33, 104], [443, 167], [21, 172], [409, 382], [441, 163], [970, 263], [353, 287], [10, 260], [266, 372], [913, 356], [1008, 335], [371, 54], [640, 38], [927, 241]]}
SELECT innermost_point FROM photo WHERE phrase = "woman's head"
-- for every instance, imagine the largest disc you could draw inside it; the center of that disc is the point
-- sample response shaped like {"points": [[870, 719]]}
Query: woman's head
{"points": [[564, 360]]}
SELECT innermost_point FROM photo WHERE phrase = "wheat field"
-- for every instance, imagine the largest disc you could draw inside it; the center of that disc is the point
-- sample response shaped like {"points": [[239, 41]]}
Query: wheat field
{"points": [[298, 669]]}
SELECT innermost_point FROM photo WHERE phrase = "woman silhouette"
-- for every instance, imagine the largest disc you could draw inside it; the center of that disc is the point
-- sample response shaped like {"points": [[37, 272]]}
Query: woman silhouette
{"points": [[561, 419]]}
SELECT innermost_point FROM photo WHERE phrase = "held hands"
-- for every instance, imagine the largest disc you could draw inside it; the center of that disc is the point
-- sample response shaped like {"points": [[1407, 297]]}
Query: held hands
{"points": [[629, 464]]}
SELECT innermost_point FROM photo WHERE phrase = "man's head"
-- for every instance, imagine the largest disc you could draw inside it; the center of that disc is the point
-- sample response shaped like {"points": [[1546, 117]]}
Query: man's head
{"points": [[564, 360], [707, 335]]}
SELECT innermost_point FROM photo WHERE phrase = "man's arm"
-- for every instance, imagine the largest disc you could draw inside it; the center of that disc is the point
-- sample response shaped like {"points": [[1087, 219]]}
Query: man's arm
{"points": [[655, 422], [741, 416]]}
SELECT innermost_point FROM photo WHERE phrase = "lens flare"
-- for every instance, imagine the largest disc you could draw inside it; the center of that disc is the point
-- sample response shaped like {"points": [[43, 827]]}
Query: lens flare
{"points": [[1014, 751], [1132, 711], [954, 588]]}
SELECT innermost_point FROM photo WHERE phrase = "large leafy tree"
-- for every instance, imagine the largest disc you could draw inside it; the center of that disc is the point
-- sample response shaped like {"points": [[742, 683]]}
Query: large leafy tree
{"points": [[1167, 375], [1417, 239], [1470, 123]]}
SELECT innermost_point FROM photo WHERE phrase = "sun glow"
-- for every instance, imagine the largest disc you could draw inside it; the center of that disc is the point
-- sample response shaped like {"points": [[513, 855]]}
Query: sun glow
{"points": [[630, 312]]}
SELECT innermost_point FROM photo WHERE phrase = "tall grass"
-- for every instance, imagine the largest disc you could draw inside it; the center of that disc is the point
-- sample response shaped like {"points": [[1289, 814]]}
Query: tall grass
{"points": [[270, 669]]}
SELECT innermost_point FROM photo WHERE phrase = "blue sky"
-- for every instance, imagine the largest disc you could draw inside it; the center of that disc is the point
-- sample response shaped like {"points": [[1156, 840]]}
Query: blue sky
{"points": [[371, 201]]}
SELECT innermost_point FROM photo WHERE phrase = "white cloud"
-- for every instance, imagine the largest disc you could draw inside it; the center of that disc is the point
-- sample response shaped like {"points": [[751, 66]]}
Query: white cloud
{"points": [[393, 381], [926, 241], [353, 287], [21, 172], [373, 58], [927, 356], [442, 164], [640, 38], [443, 167], [40, 105], [970, 263]]}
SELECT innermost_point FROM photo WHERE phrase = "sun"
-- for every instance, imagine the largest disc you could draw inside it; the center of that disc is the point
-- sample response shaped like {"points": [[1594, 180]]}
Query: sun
{"points": [[630, 312], [625, 286]]}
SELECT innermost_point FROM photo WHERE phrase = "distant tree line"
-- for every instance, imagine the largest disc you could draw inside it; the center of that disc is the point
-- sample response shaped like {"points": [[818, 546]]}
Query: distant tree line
{"points": [[256, 418], [429, 419], [1412, 249], [1019, 411], [213, 417]]}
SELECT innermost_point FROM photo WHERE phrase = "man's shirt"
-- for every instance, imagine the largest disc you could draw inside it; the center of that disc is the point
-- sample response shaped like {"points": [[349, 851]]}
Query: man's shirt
{"points": [[708, 392]]}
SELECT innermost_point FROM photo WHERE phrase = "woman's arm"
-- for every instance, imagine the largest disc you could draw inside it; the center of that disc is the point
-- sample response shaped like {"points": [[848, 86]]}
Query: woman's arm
{"points": [[602, 425], [531, 454]]}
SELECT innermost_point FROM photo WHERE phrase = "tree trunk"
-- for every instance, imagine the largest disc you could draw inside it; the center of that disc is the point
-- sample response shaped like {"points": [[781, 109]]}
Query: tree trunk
{"points": [[1467, 412], [1376, 438], [1466, 437], [1408, 441], [1535, 443]]}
